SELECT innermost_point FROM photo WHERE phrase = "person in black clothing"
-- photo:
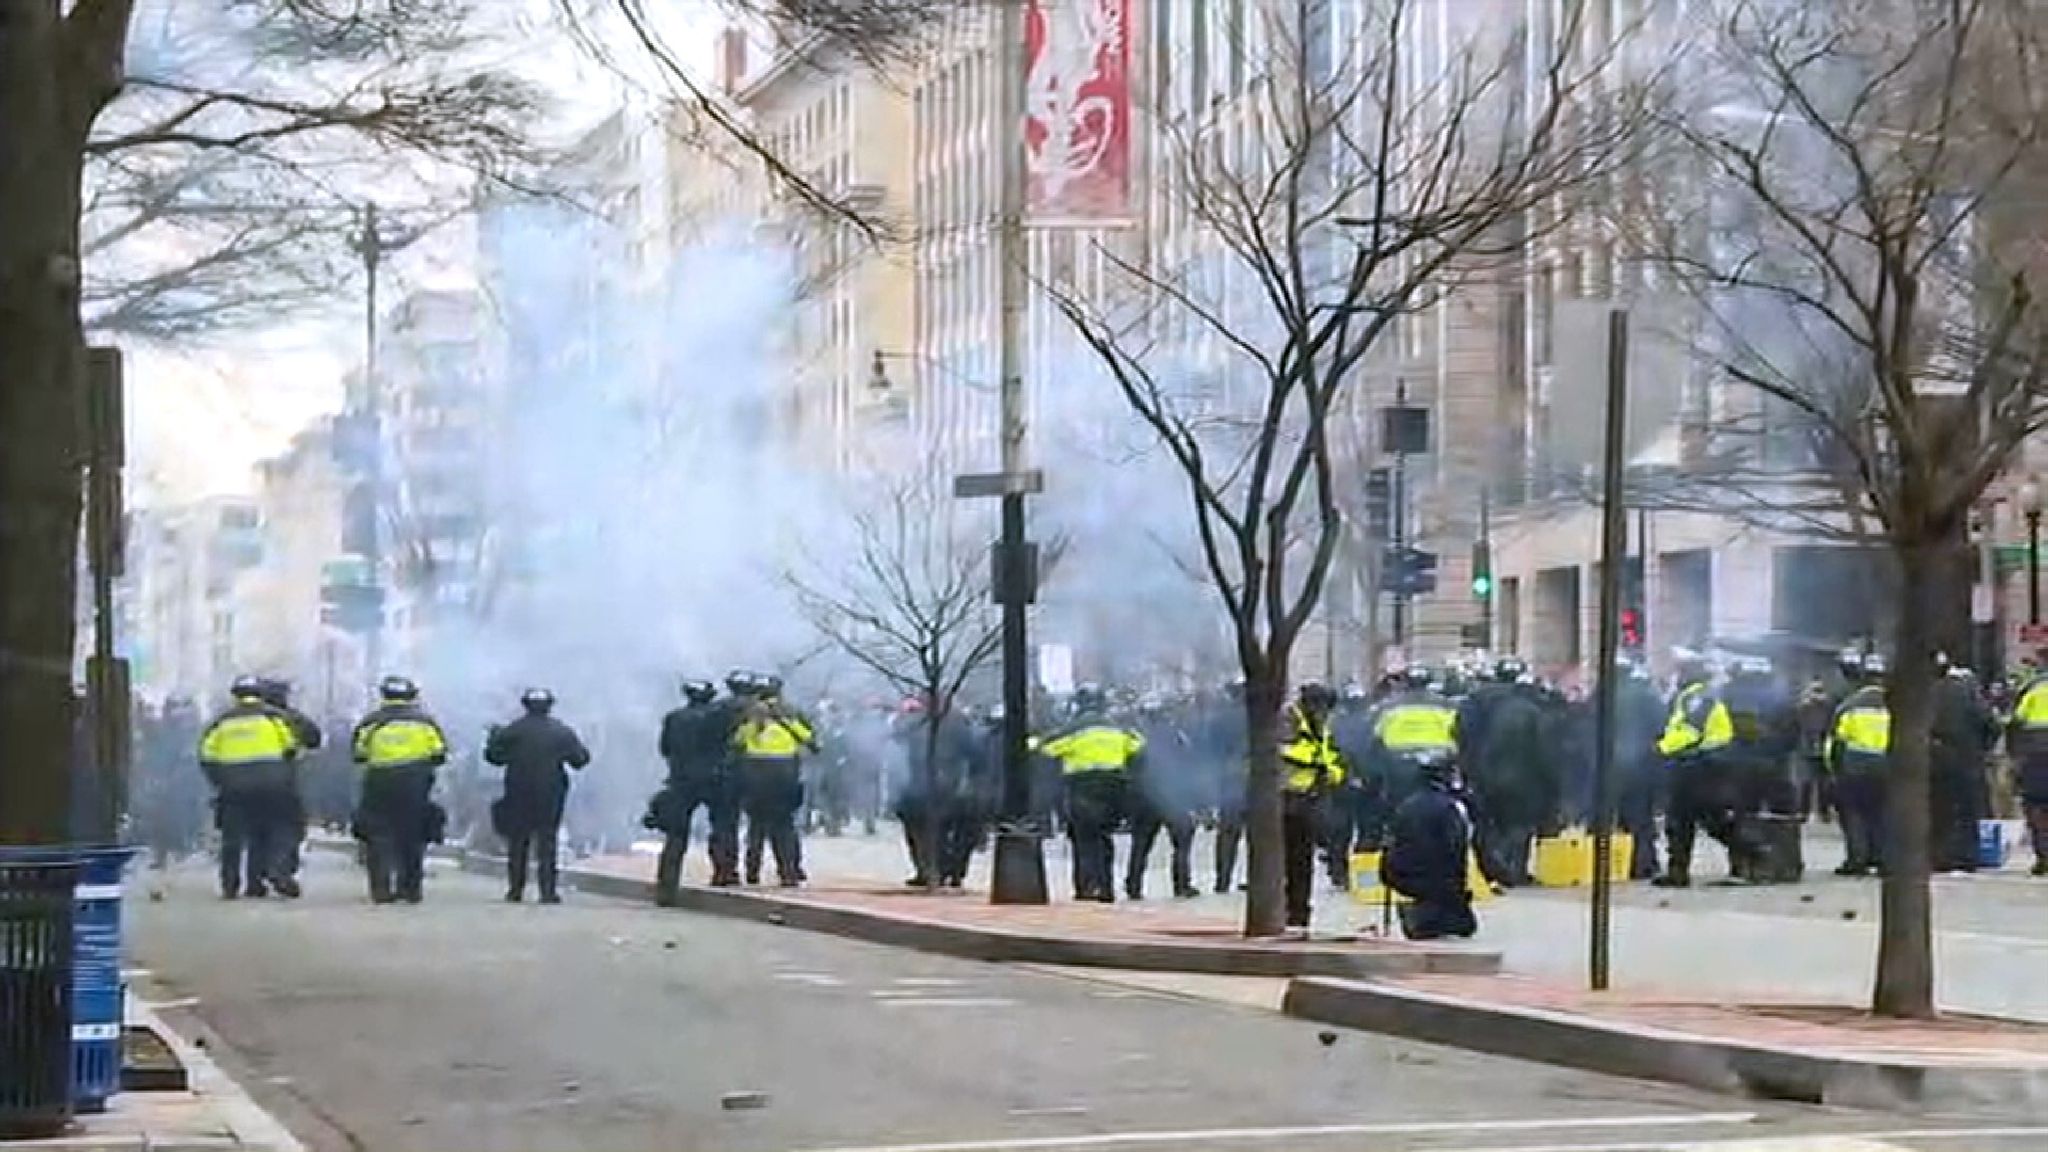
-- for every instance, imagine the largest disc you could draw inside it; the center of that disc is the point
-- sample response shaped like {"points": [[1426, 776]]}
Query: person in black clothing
{"points": [[536, 752], [1162, 798], [1638, 721], [1223, 747], [1426, 856], [1963, 734], [1501, 742], [290, 820], [696, 742], [934, 801]]}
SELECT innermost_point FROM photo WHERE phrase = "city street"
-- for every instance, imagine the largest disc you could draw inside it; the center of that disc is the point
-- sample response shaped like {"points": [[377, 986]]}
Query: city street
{"points": [[468, 1024]]}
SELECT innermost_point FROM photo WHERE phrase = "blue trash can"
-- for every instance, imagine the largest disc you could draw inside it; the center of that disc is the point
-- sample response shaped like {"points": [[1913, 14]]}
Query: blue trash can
{"points": [[96, 990], [1990, 844]]}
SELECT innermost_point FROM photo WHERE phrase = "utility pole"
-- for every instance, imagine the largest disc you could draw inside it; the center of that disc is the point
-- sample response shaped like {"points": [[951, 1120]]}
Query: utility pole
{"points": [[1397, 516], [1613, 553], [107, 679], [371, 248], [1019, 869], [1490, 587]]}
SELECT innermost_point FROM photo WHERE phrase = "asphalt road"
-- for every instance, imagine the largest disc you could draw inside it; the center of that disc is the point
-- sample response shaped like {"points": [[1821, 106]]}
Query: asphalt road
{"points": [[466, 1024]]}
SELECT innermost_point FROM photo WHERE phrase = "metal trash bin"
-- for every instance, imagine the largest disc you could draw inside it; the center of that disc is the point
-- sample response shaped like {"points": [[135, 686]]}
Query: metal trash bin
{"points": [[97, 994], [36, 886]]}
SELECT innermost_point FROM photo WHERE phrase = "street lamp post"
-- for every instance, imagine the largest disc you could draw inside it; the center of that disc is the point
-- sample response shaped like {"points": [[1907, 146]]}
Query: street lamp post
{"points": [[2030, 506]]}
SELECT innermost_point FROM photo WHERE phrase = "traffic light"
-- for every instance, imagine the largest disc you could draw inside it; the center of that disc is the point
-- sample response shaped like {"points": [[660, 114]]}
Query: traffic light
{"points": [[1410, 571], [1631, 628], [1482, 570], [1379, 502]]}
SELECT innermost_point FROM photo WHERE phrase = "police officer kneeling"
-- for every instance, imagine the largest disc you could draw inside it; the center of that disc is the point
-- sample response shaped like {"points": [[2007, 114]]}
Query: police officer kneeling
{"points": [[1426, 858], [535, 751], [399, 746], [247, 754]]}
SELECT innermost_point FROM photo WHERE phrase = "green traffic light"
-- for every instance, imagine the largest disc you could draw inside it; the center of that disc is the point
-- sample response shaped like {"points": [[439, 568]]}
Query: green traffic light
{"points": [[1482, 586]]}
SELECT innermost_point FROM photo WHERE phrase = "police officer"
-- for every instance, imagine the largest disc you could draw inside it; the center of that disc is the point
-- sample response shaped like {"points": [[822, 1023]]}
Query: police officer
{"points": [[940, 754], [1426, 855], [2026, 739], [291, 823], [1311, 769], [1697, 731], [398, 745], [1224, 750], [696, 743], [1096, 759], [1162, 800], [770, 741], [1412, 724], [1859, 750], [1962, 735], [1765, 732], [537, 751], [247, 754], [1501, 744], [1638, 721]]}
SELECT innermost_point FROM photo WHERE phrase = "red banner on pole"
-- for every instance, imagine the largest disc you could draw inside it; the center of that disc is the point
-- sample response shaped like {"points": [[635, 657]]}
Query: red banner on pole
{"points": [[1077, 112]]}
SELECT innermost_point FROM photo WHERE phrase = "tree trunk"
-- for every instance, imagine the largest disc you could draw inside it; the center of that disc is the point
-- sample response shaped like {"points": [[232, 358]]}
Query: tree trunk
{"points": [[1265, 905], [1905, 947], [41, 354]]}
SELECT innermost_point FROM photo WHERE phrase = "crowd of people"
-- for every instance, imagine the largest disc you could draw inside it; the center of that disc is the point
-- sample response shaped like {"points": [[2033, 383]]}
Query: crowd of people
{"points": [[1427, 767]]}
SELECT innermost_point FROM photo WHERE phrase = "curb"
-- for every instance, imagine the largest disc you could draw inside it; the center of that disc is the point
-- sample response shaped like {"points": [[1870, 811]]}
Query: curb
{"points": [[253, 1127], [999, 945], [1884, 1083]]}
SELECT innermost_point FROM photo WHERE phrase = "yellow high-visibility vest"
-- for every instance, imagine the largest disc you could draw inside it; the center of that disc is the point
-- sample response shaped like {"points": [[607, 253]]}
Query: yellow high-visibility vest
{"points": [[1310, 755], [1680, 734], [1095, 748], [247, 738], [772, 737], [400, 742]]}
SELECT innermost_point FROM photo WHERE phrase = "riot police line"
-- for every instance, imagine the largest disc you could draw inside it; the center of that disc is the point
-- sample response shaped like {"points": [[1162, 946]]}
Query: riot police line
{"points": [[1428, 766]]}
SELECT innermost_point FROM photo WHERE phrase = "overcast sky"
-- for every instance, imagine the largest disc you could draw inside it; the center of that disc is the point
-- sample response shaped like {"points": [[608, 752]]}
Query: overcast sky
{"points": [[202, 416]]}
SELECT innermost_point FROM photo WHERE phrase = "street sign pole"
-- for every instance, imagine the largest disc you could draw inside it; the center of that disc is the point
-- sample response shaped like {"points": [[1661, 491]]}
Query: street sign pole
{"points": [[1019, 869], [1613, 554]]}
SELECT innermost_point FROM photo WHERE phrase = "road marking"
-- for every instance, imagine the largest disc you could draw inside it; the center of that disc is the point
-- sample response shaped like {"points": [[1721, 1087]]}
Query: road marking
{"points": [[1414, 1128], [928, 982], [1067, 1110], [814, 979], [947, 1002]]}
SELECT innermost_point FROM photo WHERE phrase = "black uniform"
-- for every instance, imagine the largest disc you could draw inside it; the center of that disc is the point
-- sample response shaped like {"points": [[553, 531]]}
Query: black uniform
{"points": [[254, 802], [696, 742], [1963, 733], [1501, 743], [1163, 798], [291, 830], [536, 752], [937, 801], [1426, 862], [1224, 750], [1638, 721], [1097, 760]]}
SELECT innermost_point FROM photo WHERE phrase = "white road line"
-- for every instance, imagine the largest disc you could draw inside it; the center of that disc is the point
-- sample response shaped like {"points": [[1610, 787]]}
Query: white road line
{"points": [[814, 979], [1412, 1128], [929, 982], [947, 1002]]}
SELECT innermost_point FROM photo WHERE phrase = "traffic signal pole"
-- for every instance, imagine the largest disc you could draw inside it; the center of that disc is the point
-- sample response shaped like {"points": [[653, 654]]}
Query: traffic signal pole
{"points": [[1397, 519], [1486, 553]]}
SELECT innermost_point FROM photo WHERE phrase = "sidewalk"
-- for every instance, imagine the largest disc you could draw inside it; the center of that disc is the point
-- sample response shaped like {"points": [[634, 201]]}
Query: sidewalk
{"points": [[1774, 1049], [1161, 935], [214, 1115]]}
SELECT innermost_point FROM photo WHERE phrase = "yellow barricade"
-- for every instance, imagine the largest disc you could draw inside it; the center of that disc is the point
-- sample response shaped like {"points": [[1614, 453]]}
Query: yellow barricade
{"points": [[1368, 889], [1567, 861]]}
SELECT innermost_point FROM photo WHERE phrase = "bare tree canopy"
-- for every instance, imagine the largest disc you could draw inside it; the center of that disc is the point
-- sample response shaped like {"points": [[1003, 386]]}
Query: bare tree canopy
{"points": [[225, 181], [1855, 225], [1348, 182]]}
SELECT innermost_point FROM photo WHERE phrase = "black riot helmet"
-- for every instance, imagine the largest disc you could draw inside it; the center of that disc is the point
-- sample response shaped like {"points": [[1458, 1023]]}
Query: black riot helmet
{"points": [[1316, 694], [1509, 670], [1089, 698], [538, 701], [1416, 677], [246, 688], [699, 691], [769, 686], [275, 691], [397, 690]]}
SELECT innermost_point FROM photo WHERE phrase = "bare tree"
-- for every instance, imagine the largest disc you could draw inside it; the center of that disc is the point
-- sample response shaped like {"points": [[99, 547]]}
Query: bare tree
{"points": [[1856, 227], [908, 600], [221, 194], [1348, 183]]}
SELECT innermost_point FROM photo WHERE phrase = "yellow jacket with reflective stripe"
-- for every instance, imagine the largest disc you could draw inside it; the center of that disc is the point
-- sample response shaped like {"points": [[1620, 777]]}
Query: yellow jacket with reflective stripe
{"points": [[1093, 746], [1861, 736], [1416, 726], [2030, 709], [399, 736], [248, 733], [771, 733], [1699, 722], [1307, 753]]}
